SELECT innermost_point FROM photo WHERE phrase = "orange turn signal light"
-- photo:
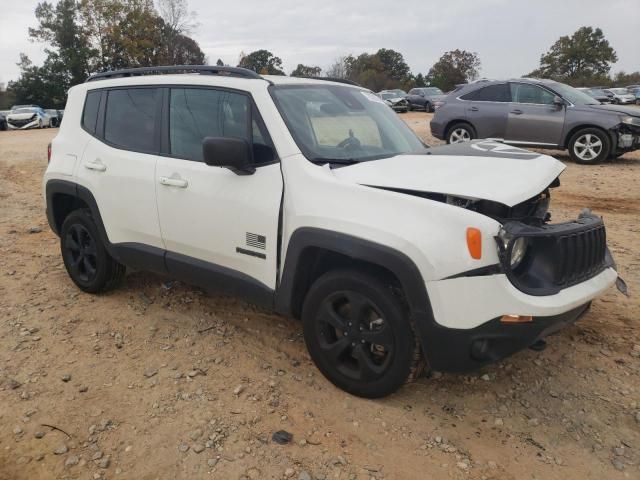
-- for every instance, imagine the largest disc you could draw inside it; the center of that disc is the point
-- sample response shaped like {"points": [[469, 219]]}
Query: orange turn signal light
{"points": [[474, 242], [516, 319]]}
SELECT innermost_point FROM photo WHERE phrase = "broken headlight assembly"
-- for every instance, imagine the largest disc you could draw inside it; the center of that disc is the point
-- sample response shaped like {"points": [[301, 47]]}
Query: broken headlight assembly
{"points": [[514, 248], [629, 120]]}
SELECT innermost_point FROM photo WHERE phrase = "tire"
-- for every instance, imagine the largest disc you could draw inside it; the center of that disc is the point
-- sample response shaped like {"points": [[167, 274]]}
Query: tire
{"points": [[460, 132], [409, 107], [342, 346], [589, 146], [85, 257]]}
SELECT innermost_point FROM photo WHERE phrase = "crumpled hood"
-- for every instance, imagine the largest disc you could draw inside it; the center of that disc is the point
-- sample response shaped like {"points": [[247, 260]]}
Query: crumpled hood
{"points": [[611, 108], [482, 169]]}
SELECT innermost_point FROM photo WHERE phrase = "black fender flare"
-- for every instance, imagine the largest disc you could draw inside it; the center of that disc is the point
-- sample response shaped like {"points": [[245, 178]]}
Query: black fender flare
{"points": [[429, 332]]}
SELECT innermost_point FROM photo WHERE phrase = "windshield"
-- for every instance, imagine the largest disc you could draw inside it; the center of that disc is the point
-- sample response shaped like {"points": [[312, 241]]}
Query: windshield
{"points": [[433, 91], [25, 110], [597, 91], [339, 124], [575, 96], [387, 96]]}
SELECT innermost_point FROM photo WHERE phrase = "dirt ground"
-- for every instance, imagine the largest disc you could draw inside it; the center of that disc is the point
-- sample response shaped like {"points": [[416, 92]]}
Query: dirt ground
{"points": [[158, 380]]}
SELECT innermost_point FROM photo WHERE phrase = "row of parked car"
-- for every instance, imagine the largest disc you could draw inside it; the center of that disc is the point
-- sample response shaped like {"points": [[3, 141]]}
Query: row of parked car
{"points": [[592, 124], [23, 117]]}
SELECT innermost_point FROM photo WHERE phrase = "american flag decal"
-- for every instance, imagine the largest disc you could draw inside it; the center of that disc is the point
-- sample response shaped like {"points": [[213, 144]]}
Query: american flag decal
{"points": [[256, 241]]}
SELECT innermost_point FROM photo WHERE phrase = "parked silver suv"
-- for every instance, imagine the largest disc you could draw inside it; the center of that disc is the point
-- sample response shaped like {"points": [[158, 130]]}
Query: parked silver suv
{"points": [[538, 113]]}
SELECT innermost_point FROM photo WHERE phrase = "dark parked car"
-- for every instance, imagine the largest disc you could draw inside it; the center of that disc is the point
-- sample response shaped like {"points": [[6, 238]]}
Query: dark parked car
{"points": [[397, 103], [596, 93], [538, 113], [55, 117], [424, 98], [3, 122]]}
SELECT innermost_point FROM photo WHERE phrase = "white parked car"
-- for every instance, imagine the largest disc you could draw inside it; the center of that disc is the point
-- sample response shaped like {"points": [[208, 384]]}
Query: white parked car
{"points": [[621, 96], [312, 198], [23, 118]]}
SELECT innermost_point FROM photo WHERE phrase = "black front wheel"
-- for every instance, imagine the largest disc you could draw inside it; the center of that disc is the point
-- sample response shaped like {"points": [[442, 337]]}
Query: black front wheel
{"points": [[359, 335], [85, 257]]}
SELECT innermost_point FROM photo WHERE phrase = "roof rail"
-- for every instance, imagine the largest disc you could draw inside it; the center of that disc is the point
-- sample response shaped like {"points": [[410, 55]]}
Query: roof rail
{"points": [[202, 69], [333, 79]]}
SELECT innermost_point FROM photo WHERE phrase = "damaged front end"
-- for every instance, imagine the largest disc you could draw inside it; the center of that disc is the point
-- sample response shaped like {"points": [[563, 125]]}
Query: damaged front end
{"points": [[627, 134]]}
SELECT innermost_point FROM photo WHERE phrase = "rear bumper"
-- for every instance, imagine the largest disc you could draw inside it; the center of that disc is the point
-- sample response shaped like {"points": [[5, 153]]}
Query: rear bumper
{"points": [[437, 129]]}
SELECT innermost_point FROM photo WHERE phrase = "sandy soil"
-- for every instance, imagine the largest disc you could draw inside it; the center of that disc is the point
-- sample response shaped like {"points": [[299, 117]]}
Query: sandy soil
{"points": [[160, 380]]}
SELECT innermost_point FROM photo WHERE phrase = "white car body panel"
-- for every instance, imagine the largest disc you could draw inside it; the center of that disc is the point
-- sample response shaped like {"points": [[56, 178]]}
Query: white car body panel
{"points": [[490, 178], [467, 302], [210, 218]]}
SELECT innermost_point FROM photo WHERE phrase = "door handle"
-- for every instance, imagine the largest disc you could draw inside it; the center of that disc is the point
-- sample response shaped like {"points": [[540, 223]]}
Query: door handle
{"points": [[474, 109], [516, 112], [96, 165], [174, 182]]}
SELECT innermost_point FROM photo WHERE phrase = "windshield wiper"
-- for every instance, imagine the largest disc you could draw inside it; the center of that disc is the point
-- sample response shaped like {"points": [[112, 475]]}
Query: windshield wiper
{"points": [[341, 161]]}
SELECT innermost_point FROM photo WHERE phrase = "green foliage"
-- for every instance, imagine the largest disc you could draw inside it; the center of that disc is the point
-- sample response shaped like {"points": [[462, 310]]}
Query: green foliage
{"points": [[385, 69], [262, 62], [306, 71], [622, 79], [580, 59], [85, 36], [453, 68]]}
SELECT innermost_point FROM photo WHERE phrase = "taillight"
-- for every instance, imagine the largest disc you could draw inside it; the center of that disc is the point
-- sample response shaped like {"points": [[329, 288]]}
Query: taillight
{"points": [[49, 152]]}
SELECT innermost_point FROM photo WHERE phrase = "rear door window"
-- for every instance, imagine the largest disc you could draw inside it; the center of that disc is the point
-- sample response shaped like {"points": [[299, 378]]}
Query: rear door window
{"points": [[130, 119], [491, 93]]}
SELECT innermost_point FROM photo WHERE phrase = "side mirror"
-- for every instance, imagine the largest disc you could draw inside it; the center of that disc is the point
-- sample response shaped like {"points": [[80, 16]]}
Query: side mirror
{"points": [[422, 94], [232, 153], [558, 101]]}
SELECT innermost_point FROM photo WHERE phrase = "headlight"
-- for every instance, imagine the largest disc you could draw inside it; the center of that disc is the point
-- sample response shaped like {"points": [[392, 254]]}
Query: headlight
{"points": [[631, 120], [518, 250]]}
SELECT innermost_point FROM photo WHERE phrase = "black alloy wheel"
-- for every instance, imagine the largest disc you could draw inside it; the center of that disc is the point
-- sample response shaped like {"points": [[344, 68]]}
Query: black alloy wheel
{"points": [[359, 335], [81, 250]]}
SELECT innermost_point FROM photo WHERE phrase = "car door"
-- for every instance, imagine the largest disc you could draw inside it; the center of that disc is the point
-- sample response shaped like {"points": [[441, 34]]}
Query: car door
{"points": [[216, 223], [118, 163], [534, 118], [414, 98], [487, 110]]}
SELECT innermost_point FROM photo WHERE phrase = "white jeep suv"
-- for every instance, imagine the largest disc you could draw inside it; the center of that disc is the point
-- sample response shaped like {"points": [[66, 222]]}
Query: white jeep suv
{"points": [[312, 198]]}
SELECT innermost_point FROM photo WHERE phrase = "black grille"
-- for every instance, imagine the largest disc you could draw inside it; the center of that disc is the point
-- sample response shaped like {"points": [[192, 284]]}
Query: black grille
{"points": [[22, 123], [581, 255]]}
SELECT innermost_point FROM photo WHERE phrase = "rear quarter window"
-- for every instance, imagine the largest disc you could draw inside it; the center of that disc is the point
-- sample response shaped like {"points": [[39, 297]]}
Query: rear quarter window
{"points": [[90, 112]]}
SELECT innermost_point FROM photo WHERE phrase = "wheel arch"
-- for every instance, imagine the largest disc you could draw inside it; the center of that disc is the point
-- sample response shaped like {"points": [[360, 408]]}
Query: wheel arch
{"points": [[584, 126], [313, 251], [63, 197]]}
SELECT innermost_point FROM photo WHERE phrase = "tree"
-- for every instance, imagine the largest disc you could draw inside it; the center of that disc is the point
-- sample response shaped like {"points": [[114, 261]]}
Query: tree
{"points": [[576, 59], [84, 36], [338, 68], [178, 23], [220, 63], [263, 62], [306, 71], [622, 79], [394, 64], [454, 67]]}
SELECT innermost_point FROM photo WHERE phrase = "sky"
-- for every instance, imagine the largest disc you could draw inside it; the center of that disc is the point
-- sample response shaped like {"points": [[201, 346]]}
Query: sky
{"points": [[508, 35]]}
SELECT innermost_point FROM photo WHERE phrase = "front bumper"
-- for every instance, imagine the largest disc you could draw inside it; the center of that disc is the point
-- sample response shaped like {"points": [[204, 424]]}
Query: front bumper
{"points": [[22, 125], [437, 129], [456, 350]]}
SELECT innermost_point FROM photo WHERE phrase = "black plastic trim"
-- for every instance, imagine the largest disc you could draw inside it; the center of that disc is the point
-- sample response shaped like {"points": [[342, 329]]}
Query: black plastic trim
{"points": [[479, 272], [210, 276], [202, 69], [251, 253]]}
